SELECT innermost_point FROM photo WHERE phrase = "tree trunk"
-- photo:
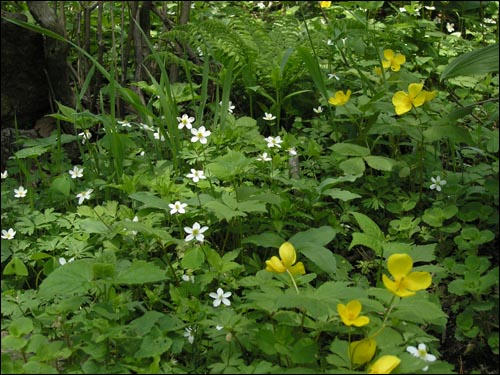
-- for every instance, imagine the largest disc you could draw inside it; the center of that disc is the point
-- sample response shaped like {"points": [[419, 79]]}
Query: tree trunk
{"points": [[56, 52]]}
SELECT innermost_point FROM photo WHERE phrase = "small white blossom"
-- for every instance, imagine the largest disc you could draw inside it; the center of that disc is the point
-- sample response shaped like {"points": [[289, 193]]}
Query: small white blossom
{"points": [[318, 110], [8, 234], [264, 157], [261, 5], [437, 183], [200, 135], [273, 141], [429, 7], [177, 207], [86, 134], [4, 174], [20, 192], [421, 352], [402, 10], [76, 172], [124, 124], [329, 42], [230, 106], [292, 151], [189, 334], [147, 127], [196, 232], [185, 121], [158, 136], [450, 27], [188, 278], [221, 297], [84, 195], [332, 75], [437, 19], [135, 219], [268, 116], [218, 327], [62, 261], [196, 175]]}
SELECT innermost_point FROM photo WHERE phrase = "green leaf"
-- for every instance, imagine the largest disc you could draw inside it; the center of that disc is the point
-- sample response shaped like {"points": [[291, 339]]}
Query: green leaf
{"points": [[353, 166], [94, 226], [140, 272], [317, 236], [72, 278], [193, 258], [481, 61], [145, 323], [222, 211], [380, 163], [418, 309], [266, 239], [61, 184], [31, 152], [304, 351], [368, 226], [150, 200], [452, 132], [343, 195], [230, 166], [20, 326], [15, 267], [366, 240], [349, 149], [155, 343]]}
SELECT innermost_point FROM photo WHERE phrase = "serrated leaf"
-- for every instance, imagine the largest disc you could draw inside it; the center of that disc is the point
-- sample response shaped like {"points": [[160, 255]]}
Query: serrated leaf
{"points": [[452, 132], [366, 240], [222, 211], [368, 226], [343, 195], [380, 163], [193, 258], [150, 200], [350, 149], [72, 278], [15, 267], [353, 166], [266, 239], [61, 184]]}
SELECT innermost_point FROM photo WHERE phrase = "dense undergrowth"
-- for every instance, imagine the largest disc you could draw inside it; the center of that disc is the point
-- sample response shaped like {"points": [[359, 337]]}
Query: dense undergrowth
{"points": [[316, 193]]}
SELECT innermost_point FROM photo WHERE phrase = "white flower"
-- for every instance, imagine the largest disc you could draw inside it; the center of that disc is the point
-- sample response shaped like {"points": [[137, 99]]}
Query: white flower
{"points": [[76, 172], [195, 232], [188, 278], [8, 234], [218, 327], [20, 192], [437, 20], [268, 116], [4, 174], [273, 141], [177, 207], [200, 134], [292, 151], [332, 75], [261, 5], [62, 261], [84, 195], [450, 27], [136, 219], [189, 334], [158, 136], [125, 124], [264, 157], [318, 110], [220, 296], [437, 183], [196, 175], [421, 352], [402, 10], [230, 106], [429, 7], [329, 42], [186, 121], [147, 127], [86, 134]]}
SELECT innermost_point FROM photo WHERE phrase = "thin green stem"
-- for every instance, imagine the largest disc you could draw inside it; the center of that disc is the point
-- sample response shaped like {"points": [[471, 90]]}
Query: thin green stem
{"points": [[293, 281]]}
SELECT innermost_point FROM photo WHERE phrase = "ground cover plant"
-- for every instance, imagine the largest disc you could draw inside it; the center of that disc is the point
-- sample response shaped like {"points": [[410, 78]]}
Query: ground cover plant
{"points": [[315, 192]]}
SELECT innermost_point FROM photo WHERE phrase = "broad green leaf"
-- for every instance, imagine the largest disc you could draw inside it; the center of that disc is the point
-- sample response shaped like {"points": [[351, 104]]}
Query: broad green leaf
{"points": [[368, 226], [366, 240], [304, 351], [480, 61], [332, 181], [193, 258], [154, 343], [380, 163], [61, 184], [31, 152], [151, 200], [350, 149], [140, 272], [20, 326], [13, 343], [353, 166], [452, 132], [252, 205], [419, 310], [15, 267], [317, 236], [343, 195], [222, 211], [37, 367], [94, 226], [266, 239], [230, 166], [72, 278]]}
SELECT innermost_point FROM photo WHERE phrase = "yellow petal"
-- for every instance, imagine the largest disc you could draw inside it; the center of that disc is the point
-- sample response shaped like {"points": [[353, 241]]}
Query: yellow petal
{"points": [[298, 269], [399, 59], [361, 321], [429, 95], [333, 100], [362, 351], [287, 254], [275, 265], [384, 365], [389, 54], [399, 265], [386, 64], [354, 307], [419, 100], [347, 96], [414, 89], [325, 4], [389, 284], [395, 67], [402, 103], [418, 280]]}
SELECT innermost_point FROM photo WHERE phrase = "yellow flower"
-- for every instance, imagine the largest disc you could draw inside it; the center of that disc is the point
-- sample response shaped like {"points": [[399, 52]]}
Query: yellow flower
{"points": [[378, 70], [325, 4], [429, 95], [405, 282], [392, 60], [340, 98], [362, 351], [288, 258], [350, 314], [384, 365], [404, 102]]}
